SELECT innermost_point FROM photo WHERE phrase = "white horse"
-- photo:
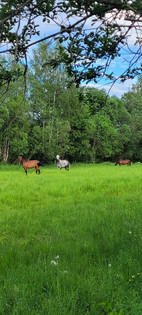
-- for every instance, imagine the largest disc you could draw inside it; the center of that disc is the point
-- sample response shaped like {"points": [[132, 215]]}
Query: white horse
{"points": [[62, 163]]}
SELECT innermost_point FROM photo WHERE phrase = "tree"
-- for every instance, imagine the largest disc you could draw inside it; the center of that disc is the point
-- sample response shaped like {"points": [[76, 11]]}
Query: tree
{"points": [[110, 25], [95, 99], [109, 125], [133, 103], [14, 123], [102, 137], [46, 92]]}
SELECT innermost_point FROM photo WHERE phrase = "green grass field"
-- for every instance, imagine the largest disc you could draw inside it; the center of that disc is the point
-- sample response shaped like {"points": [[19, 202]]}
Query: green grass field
{"points": [[71, 242]]}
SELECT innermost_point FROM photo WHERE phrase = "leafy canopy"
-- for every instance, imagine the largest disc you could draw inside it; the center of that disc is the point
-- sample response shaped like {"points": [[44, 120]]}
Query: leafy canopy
{"points": [[90, 30]]}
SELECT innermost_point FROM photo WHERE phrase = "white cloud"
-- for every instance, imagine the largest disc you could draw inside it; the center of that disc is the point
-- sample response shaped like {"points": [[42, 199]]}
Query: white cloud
{"points": [[118, 89], [47, 28]]}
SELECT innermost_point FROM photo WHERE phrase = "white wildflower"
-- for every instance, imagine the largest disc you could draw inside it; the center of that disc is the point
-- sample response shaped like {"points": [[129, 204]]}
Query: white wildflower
{"points": [[57, 257], [130, 232], [53, 262], [109, 265]]}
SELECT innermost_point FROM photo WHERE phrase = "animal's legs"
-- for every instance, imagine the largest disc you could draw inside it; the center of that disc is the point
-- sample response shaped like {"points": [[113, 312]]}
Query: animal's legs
{"points": [[37, 169]]}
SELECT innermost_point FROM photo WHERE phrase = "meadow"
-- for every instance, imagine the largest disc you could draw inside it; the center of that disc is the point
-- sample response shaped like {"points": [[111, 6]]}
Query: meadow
{"points": [[71, 242]]}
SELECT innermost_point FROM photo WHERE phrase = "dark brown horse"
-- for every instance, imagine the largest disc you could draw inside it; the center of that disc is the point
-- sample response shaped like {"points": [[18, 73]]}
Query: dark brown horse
{"points": [[123, 162], [30, 164]]}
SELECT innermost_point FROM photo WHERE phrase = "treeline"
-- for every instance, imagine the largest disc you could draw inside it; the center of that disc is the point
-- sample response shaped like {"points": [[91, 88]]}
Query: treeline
{"points": [[55, 117]]}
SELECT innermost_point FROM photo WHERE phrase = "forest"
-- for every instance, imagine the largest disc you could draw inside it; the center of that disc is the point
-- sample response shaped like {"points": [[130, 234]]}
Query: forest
{"points": [[46, 114]]}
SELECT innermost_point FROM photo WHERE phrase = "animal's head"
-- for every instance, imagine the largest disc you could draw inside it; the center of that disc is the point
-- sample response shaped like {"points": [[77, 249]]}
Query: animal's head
{"points": [[117, 163], [57, 157], [20, 158]]}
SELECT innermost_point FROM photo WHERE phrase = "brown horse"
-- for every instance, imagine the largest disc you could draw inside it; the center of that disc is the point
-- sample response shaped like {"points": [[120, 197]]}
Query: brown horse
{"points": [[123, 162], [30, 164]]}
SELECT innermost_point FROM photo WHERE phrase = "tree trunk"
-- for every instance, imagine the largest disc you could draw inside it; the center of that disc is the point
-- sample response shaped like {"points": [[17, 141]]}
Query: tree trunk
{"points": [[6, 151], [94, 150]]}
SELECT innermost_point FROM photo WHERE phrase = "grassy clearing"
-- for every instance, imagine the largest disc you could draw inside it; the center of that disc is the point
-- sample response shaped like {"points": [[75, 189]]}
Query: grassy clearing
{"points": [[70, 242]]}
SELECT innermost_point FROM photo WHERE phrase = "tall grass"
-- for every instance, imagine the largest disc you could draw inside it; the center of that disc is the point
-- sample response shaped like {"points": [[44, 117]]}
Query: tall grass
{"points": [[71, 242]]}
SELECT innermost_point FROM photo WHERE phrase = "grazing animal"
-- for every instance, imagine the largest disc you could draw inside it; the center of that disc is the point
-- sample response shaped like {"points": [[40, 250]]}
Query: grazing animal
{"points": [[62, 163], [30, 164], [123, 162]]}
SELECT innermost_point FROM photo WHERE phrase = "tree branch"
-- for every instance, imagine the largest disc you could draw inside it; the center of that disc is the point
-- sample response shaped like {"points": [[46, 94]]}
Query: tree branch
{"points": [[15, 12]]}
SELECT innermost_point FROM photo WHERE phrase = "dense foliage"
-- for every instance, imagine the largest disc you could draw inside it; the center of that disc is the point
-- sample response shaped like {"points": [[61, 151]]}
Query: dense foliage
{"points": [[83, 124], [91, 30]]}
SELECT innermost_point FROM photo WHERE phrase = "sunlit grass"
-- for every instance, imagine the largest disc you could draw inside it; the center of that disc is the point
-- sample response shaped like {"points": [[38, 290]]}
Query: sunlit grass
{"points": [[70, 242]]}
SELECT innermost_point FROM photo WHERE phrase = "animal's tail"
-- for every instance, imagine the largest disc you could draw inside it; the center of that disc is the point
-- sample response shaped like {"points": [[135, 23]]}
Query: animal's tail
{"points": [[40, 163]]}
